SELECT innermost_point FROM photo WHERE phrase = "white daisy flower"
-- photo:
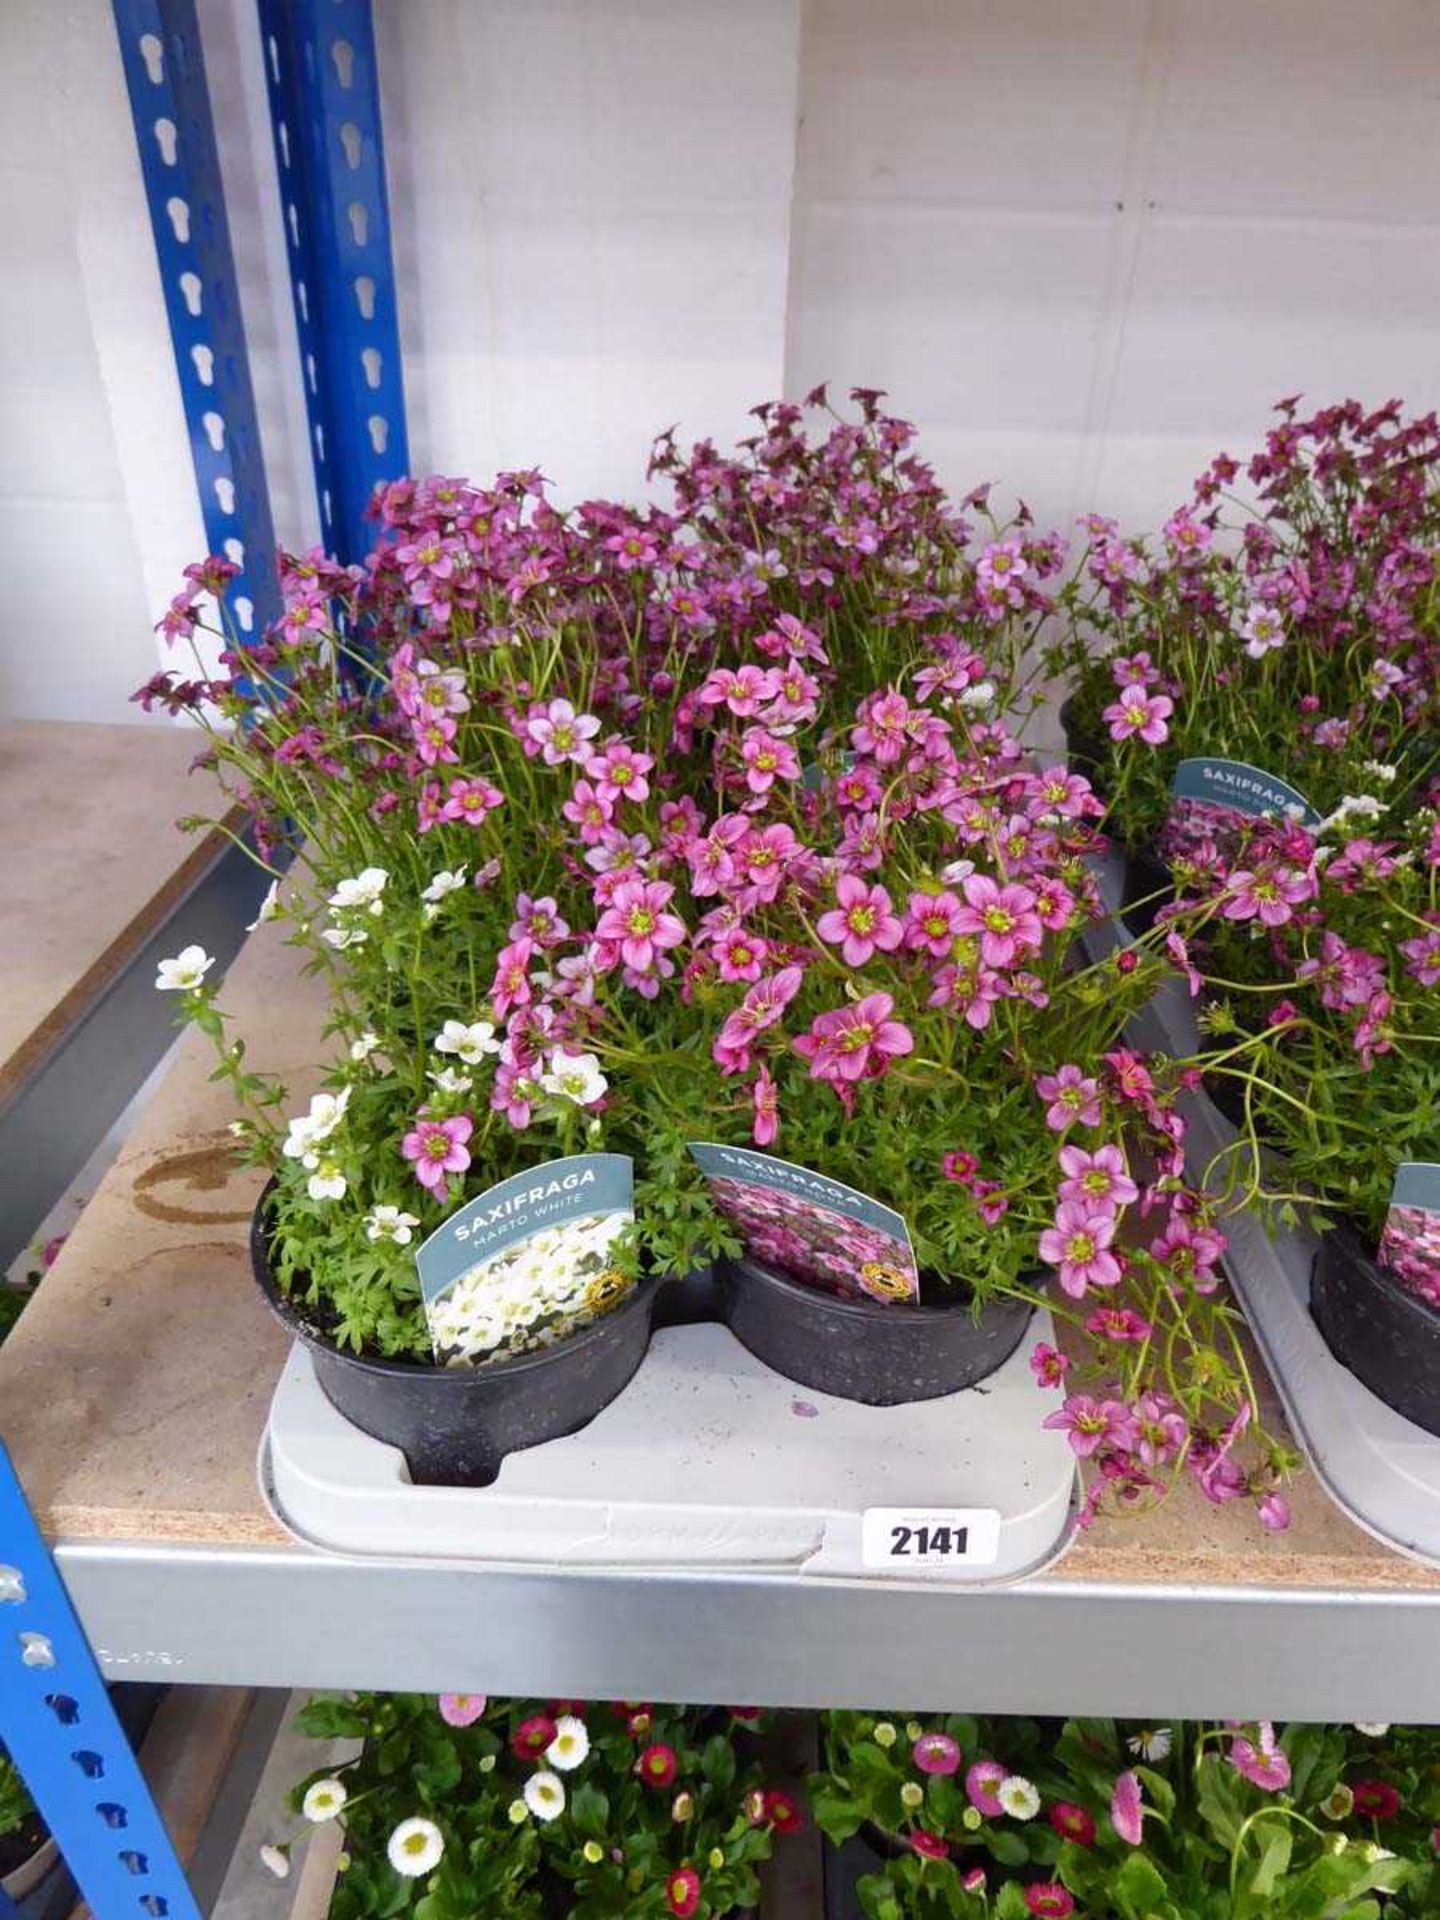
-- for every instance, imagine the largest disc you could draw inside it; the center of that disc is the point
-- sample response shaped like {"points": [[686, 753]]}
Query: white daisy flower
{"points": [[365, 890], [389, 1223], [545, 1795], [1151, 1743], [1018, 1797], [574, 1076], [326, 1183], [362, 1048], [323, 1800], [269, 907], [570, 1745], [185, 972], [468, 1043], [446, 881], [416, 1847], [277, 1859]]}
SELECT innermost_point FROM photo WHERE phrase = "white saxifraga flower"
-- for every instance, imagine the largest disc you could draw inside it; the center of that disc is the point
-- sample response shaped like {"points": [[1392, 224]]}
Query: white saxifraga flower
{"points": [[446, 881], [450, 1080], [1372, 1729], [545, 1795], [364, 891], [570, 1745], [342, 937], [574, 1076], [390, 1223], [982, 694], [468, 1043], [1151, 1743], [1378, 770], [1353, 806], [269, 907], [1018, 1797], [416, 1847], [362, 1048], [323, 1800], [310, 1130], [276, 1859], [185, 972], [326, 1183]]}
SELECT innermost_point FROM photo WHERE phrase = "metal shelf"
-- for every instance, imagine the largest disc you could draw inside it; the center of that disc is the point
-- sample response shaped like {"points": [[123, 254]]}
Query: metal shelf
{"points": [[135, 1393]]}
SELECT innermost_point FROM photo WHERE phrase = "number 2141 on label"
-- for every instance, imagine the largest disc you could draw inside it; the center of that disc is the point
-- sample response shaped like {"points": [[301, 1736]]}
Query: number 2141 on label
{"points": [[939, 1537]]}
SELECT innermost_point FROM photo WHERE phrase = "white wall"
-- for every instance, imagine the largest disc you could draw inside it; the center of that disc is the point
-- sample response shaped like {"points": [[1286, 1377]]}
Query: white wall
{"points": [[592, 203], [1088, 244], [1083, 242]]}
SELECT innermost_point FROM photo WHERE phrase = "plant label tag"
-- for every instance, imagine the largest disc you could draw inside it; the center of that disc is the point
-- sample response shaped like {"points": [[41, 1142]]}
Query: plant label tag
{"points": [[901, 1537], [817, 1231], [1215, 799], [534, 1254], [1410, 1242]]}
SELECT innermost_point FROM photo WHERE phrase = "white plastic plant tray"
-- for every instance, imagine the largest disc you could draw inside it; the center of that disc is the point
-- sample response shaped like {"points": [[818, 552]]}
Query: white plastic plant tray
{"points": [[707, 1459], [1380, 1468]]}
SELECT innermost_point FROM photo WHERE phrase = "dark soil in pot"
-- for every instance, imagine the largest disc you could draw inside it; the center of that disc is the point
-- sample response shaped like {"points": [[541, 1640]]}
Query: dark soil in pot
{"points": [[1389, 1339], [882, 1356], [455, 1425]]}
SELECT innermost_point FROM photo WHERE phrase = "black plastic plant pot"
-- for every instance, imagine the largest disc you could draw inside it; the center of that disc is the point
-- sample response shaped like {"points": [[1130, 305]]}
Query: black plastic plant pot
{"points": [[455, 1425], [1389, 1339], [882, 1356]]}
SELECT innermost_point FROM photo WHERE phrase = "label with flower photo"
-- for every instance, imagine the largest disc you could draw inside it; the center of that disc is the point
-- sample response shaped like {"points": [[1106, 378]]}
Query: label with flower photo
{"points": [[531, 1259], [1410, 1242], [1213, 799], [817, 1231]]}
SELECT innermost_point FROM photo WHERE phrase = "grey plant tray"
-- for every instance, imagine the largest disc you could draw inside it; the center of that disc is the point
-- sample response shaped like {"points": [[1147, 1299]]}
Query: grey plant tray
{"points": [[708, 1459]]}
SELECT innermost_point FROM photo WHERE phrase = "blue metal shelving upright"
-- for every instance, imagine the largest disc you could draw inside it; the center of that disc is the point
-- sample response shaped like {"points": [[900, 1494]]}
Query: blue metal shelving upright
{"points": [[324, 96], [61, 1730], [175, 136], [320, 66]]}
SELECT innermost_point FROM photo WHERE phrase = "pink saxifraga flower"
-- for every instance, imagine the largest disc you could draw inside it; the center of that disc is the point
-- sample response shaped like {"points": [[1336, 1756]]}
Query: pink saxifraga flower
{"points": [[437, 1148], [637, 922], [561, 733], [765, 1103], [1138, 714], [1073, 1100], [861, 922], [1003, 917], [1090, 1424], [1099, 1180], [855, 1042], [1078, 1245], [1048, 1365]]}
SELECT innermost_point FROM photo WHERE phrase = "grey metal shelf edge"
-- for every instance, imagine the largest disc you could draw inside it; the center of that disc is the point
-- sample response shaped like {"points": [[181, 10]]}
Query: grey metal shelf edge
{"points": [[294, 1617]]}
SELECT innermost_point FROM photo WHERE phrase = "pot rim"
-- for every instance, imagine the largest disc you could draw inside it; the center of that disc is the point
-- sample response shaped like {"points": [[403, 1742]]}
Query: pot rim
{"points": [[641, 1295], [862, 1310]]}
